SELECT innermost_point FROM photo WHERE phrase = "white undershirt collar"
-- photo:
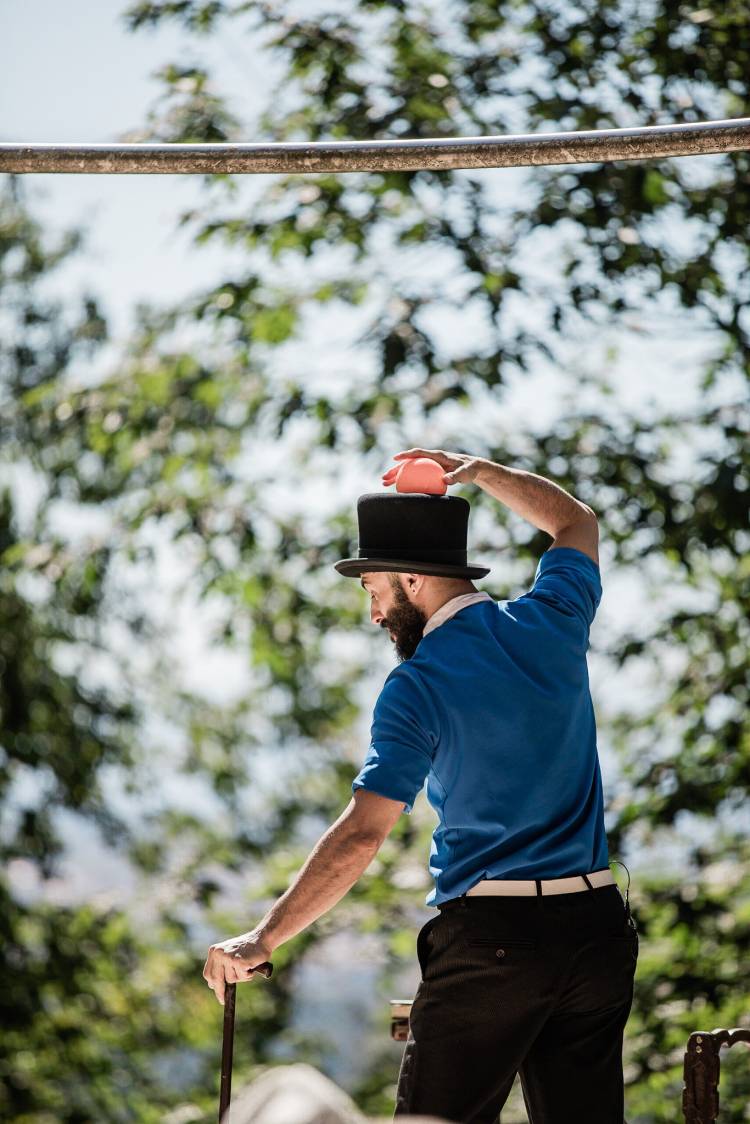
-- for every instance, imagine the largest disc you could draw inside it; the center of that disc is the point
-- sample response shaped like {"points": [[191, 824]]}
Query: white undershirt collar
{"points": [[446, 611]]}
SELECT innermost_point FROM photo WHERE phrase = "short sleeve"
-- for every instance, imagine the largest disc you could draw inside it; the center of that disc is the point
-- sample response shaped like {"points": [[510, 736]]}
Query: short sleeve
{"points": [[403, 737], [569, 581]]}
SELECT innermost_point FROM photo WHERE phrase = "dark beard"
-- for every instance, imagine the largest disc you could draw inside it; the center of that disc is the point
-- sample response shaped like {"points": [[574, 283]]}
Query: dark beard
{"points": [[406, 621]]}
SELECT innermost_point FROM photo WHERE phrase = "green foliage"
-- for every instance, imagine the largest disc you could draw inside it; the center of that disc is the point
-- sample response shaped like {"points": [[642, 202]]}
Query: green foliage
{"points": [[172, 442]]}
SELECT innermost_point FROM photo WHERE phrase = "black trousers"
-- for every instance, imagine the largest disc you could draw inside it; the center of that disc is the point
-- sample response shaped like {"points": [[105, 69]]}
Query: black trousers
{"points": [[540, 986]]}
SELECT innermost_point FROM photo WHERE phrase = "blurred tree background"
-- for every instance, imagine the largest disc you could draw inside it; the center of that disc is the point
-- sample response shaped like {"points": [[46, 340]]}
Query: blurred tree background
{"points": [[430, 296]]}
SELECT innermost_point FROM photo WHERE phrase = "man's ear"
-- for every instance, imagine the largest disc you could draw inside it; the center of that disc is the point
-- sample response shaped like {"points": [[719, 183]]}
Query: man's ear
{"points": [[414, 582]]}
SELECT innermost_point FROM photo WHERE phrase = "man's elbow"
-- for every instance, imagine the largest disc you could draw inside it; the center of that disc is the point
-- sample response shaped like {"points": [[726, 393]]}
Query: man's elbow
{"points": [[586, 511], [584, 514], [363, 838]]}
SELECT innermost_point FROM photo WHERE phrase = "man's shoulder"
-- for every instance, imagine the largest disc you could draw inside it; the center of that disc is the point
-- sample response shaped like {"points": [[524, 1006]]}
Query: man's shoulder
{"points": [[567, 557], [410, 683]]}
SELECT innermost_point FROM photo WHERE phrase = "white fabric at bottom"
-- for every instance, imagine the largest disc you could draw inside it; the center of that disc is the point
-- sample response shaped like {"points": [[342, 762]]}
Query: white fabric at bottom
{"points": [[450, 608]]}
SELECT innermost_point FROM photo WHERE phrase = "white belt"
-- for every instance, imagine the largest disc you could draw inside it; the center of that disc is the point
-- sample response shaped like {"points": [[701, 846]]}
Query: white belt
{"points": [[525, 887]]}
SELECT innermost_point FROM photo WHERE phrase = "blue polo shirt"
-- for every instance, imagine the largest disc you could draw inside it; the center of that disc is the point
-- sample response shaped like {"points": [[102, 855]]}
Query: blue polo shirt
{"points": [[494, 711]]}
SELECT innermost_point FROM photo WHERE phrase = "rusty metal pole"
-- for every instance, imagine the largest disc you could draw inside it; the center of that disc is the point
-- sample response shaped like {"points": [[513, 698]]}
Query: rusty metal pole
{"points": [[437, 154]]}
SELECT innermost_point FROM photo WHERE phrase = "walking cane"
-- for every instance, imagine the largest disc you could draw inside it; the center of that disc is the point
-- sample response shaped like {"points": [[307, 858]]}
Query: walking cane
{"points": [[225, 1090]]}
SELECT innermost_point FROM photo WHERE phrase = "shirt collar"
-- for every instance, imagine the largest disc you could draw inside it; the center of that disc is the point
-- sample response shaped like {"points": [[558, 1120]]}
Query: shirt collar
{"points": [[450, 608]]}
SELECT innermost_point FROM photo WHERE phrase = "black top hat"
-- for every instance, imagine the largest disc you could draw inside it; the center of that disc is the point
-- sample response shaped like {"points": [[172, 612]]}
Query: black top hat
{"points": [[412, 532]]}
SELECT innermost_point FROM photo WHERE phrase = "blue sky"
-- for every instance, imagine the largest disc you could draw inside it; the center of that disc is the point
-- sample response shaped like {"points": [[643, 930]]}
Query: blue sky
{"points": [[72, 73]]}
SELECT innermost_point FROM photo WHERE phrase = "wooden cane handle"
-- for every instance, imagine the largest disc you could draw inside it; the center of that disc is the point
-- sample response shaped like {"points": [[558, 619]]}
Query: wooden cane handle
{"points": [[265, 969]]}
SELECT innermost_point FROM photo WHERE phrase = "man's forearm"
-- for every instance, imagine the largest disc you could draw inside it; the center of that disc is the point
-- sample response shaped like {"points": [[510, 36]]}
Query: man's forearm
{"points": [[338, 859], [544, 503]]}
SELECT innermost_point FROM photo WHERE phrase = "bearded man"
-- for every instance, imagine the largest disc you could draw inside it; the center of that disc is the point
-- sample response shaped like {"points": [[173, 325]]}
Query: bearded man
{"points": [[528, 965]]}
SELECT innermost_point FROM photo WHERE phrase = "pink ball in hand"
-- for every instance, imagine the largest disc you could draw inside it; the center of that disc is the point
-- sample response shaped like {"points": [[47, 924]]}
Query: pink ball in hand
{"points": [[417, 474]]}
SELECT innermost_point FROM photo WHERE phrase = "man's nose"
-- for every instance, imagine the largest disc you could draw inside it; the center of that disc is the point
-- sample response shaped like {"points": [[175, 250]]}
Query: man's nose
{"points": [[376, 616]]}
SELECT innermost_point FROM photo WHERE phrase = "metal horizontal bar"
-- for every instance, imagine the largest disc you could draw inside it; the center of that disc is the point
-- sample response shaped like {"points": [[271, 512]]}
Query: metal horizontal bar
{"points": [[437, 154]]}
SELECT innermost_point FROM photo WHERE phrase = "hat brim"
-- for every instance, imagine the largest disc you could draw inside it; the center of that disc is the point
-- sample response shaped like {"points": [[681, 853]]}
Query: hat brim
{"points": [[355, 567]]}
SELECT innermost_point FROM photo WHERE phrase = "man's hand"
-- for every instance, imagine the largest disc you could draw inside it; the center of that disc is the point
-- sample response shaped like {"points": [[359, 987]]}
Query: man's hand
{"points": [[233, 960], [461, 468]]}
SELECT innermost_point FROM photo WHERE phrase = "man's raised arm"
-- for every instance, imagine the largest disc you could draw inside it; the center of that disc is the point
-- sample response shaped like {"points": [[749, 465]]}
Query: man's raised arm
{"points": [[544, 503]]}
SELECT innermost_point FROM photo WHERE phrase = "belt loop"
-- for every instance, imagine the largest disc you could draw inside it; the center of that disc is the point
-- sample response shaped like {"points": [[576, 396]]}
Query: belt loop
{"points": [[586, 880]]}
